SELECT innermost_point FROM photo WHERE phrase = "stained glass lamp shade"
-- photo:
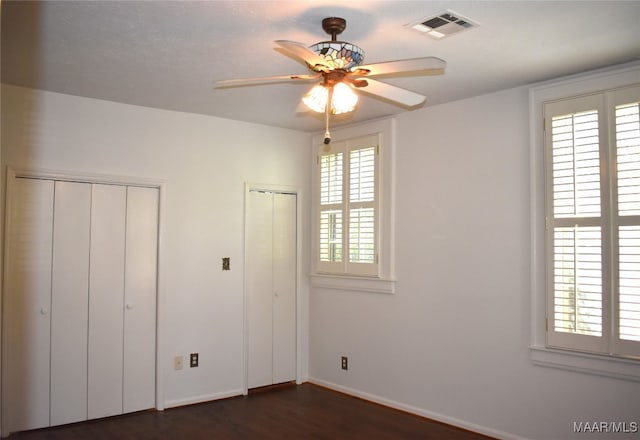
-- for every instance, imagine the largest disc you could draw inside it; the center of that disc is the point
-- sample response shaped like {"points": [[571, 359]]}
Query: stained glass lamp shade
{"points": [[339, 54]]}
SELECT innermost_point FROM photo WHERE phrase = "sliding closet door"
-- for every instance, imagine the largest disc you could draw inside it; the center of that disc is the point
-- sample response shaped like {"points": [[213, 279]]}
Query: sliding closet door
{"points": [[27, 306], [80, 313], [106, 300], [271, 288], [259, 282], [284, 287], [69, 302], [140, 299]]}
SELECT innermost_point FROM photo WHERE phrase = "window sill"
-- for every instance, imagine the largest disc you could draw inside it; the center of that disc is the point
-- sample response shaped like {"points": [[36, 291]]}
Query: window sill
{"points": [[609, 366], [355, 283]]}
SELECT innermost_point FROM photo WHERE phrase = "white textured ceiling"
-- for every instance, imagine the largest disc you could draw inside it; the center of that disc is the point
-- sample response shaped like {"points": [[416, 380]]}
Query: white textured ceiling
{"points": [[168, 54]]}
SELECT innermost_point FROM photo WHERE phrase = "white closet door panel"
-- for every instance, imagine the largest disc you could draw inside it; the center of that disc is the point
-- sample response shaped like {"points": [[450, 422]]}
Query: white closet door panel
{"points": [[28, 305], [284, 287], [69, 302], [259, 289], [140, 299], [106, 300]]}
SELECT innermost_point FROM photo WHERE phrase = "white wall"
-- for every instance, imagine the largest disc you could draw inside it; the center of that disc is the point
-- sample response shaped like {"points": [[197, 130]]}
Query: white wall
{"points": [[452, 342], [204, 163]]}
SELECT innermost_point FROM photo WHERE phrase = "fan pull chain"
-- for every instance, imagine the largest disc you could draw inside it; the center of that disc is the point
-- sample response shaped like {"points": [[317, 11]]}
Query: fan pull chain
{"points": [[327, 111]]}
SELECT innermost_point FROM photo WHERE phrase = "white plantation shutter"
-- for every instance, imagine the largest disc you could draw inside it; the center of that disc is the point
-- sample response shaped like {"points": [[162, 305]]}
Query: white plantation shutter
{"points": [[629, 282], [331, 236], [628, 158], [577, 290], [577, 295], [361, 235], [362, 174], [627, 221], [362, 205], [331, 179], [576, 165], [331, 175], [592, 155], [348, 207]]}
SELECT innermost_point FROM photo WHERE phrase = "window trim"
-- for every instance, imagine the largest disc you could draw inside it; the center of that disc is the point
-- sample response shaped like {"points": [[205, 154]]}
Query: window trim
{"points": [[384, 280], [590, 82]]}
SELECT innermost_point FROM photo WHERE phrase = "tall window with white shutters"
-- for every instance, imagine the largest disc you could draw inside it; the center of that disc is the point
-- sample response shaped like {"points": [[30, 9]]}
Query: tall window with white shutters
{"points": [[592, 162], [348, 207]]}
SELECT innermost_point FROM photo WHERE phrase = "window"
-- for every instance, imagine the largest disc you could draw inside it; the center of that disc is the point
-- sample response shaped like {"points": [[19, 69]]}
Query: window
{"points": [[349, 206], [353, 199], [592, 169]]}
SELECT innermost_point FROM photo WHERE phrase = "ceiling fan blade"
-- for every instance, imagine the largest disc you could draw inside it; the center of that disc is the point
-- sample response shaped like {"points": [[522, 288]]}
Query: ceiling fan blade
{"points": [[392, 93], [265, 80], [302, 52], [425, 66]]}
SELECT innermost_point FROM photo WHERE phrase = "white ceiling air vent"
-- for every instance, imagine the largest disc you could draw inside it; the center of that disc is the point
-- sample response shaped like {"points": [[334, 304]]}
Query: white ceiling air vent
{"points": [[442, 25]]}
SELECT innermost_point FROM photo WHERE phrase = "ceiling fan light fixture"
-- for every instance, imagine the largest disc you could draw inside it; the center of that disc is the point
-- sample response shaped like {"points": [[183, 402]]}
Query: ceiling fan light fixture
{"points": [[338, 65], [344, 99]]}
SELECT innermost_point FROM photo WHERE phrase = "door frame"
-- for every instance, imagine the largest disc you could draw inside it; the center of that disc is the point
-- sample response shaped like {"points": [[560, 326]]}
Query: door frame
{"points": [[280, 189], [12, 174]]}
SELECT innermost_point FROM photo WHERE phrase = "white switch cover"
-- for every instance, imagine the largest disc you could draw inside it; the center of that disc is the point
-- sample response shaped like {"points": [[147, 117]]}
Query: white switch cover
{"points": [[177, 363]]}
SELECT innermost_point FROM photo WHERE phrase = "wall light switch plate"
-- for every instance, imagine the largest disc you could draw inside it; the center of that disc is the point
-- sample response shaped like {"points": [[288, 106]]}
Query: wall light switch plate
{"points": [[193, 360], [177, 363]]}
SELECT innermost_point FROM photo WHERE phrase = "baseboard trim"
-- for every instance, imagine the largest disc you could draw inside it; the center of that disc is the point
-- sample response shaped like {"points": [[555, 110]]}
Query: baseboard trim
{"points": [[417, 411], [202, 398]]}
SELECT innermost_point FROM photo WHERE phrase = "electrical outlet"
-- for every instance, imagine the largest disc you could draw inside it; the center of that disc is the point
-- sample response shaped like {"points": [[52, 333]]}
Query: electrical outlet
{"points": [[177, 363], [345, 363], [193, 360]]}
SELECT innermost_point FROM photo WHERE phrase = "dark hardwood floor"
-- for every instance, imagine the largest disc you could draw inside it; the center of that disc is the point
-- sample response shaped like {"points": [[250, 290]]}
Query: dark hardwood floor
{"points": [[285, 412]]}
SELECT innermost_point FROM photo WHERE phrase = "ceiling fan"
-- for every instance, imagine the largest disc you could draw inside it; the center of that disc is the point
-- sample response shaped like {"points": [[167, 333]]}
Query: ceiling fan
{"points": [[338, 66]]}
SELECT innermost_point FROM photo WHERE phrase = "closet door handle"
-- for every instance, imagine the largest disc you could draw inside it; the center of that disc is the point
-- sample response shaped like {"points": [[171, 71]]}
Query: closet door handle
{"points": [[44, 311], [129, 306]]}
